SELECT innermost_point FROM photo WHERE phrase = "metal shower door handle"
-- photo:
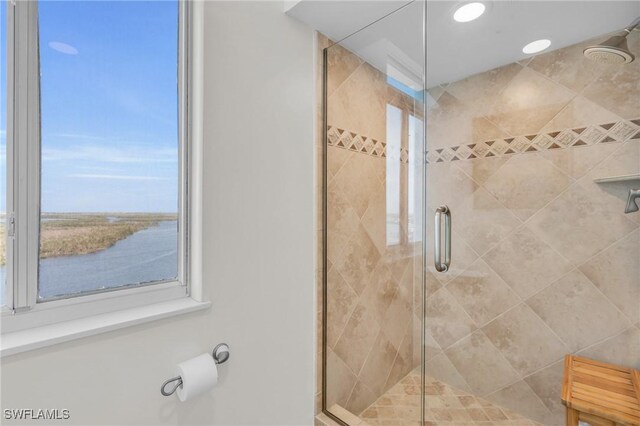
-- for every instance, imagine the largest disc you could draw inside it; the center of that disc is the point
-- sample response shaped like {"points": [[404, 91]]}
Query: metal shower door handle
{"points": [[437, 256]]}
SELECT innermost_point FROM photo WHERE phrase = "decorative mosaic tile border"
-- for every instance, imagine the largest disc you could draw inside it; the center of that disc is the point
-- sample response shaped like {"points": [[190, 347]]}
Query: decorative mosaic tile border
{"points": [[620, 131], [359, 143]]}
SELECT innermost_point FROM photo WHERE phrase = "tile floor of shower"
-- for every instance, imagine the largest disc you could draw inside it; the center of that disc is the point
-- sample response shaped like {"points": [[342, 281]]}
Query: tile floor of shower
{"points": [[446, 405]]}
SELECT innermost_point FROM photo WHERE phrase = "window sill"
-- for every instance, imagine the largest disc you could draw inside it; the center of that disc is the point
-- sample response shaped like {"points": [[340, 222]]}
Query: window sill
{"points": [[40, 337]]}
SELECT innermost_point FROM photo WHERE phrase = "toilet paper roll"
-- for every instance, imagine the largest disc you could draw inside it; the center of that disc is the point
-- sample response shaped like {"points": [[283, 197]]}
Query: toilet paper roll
{"points": [[198, 374]]}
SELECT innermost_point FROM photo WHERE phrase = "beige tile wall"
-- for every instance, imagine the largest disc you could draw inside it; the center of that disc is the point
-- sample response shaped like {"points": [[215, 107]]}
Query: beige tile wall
{"points": [[544, 260], [371, 319]]}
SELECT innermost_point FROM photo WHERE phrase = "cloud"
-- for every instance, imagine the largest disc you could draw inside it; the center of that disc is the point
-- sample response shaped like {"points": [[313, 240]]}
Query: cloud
{"points": [[114, 177], [78, 136], [101, 169], [65, 48], [110, 154]]}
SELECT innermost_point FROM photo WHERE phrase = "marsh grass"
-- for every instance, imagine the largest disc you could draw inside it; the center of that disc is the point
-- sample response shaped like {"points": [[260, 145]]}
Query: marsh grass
{"points": [[70, 234]]}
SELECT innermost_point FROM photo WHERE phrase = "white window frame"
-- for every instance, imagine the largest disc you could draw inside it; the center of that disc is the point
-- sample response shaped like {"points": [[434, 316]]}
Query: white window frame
{"points": [[126, 305]]}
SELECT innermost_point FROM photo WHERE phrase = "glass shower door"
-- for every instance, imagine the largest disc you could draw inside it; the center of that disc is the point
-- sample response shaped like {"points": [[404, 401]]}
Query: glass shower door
{"points": [[534, 156], [530, 162]]}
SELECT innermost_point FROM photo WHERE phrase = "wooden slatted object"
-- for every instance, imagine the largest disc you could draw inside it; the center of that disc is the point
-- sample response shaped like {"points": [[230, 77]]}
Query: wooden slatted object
{"points": [[600, 394]]}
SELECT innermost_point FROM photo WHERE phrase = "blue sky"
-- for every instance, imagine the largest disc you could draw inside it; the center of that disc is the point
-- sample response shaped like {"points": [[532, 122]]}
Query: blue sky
{"points": [[109, 106]]}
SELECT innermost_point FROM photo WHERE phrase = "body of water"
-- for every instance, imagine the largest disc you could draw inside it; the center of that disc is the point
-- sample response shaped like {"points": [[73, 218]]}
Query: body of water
{"points": [[148, 255]]}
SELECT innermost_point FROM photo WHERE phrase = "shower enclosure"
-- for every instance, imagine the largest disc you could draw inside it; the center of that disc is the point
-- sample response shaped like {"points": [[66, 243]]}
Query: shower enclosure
{"points": [[444, 136]]}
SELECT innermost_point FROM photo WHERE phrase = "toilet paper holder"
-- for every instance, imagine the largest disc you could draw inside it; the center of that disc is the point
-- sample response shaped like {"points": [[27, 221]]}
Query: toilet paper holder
{"points": [[220, 355]]}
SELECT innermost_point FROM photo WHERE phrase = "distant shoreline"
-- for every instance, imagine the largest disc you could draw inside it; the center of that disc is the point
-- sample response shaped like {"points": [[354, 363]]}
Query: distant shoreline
{"points": [[72, 234]]}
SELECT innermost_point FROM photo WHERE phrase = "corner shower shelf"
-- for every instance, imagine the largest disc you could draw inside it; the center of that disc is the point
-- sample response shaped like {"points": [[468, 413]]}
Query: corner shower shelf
{"points": [[622, 178]]}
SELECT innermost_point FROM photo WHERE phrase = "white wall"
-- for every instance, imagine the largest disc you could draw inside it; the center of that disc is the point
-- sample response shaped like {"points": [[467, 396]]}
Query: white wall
{"points": [[258, 254]]}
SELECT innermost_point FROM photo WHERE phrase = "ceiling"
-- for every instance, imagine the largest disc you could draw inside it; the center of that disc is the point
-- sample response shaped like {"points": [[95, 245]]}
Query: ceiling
{"points": [[457, 50]]}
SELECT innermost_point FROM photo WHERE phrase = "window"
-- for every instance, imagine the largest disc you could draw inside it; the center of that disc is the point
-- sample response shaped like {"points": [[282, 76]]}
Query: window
{"points": [[403, 205], [109, 145], [98, 135], [394, 145], [414, 198]]}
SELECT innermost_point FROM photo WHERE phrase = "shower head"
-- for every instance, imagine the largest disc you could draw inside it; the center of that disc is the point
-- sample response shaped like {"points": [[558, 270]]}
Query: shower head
{"points": [[613, 50]]}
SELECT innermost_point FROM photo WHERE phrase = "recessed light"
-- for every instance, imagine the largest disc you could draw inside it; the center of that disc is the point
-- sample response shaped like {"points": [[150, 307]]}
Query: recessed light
{"points": [[536, 46], [469, 12]]}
